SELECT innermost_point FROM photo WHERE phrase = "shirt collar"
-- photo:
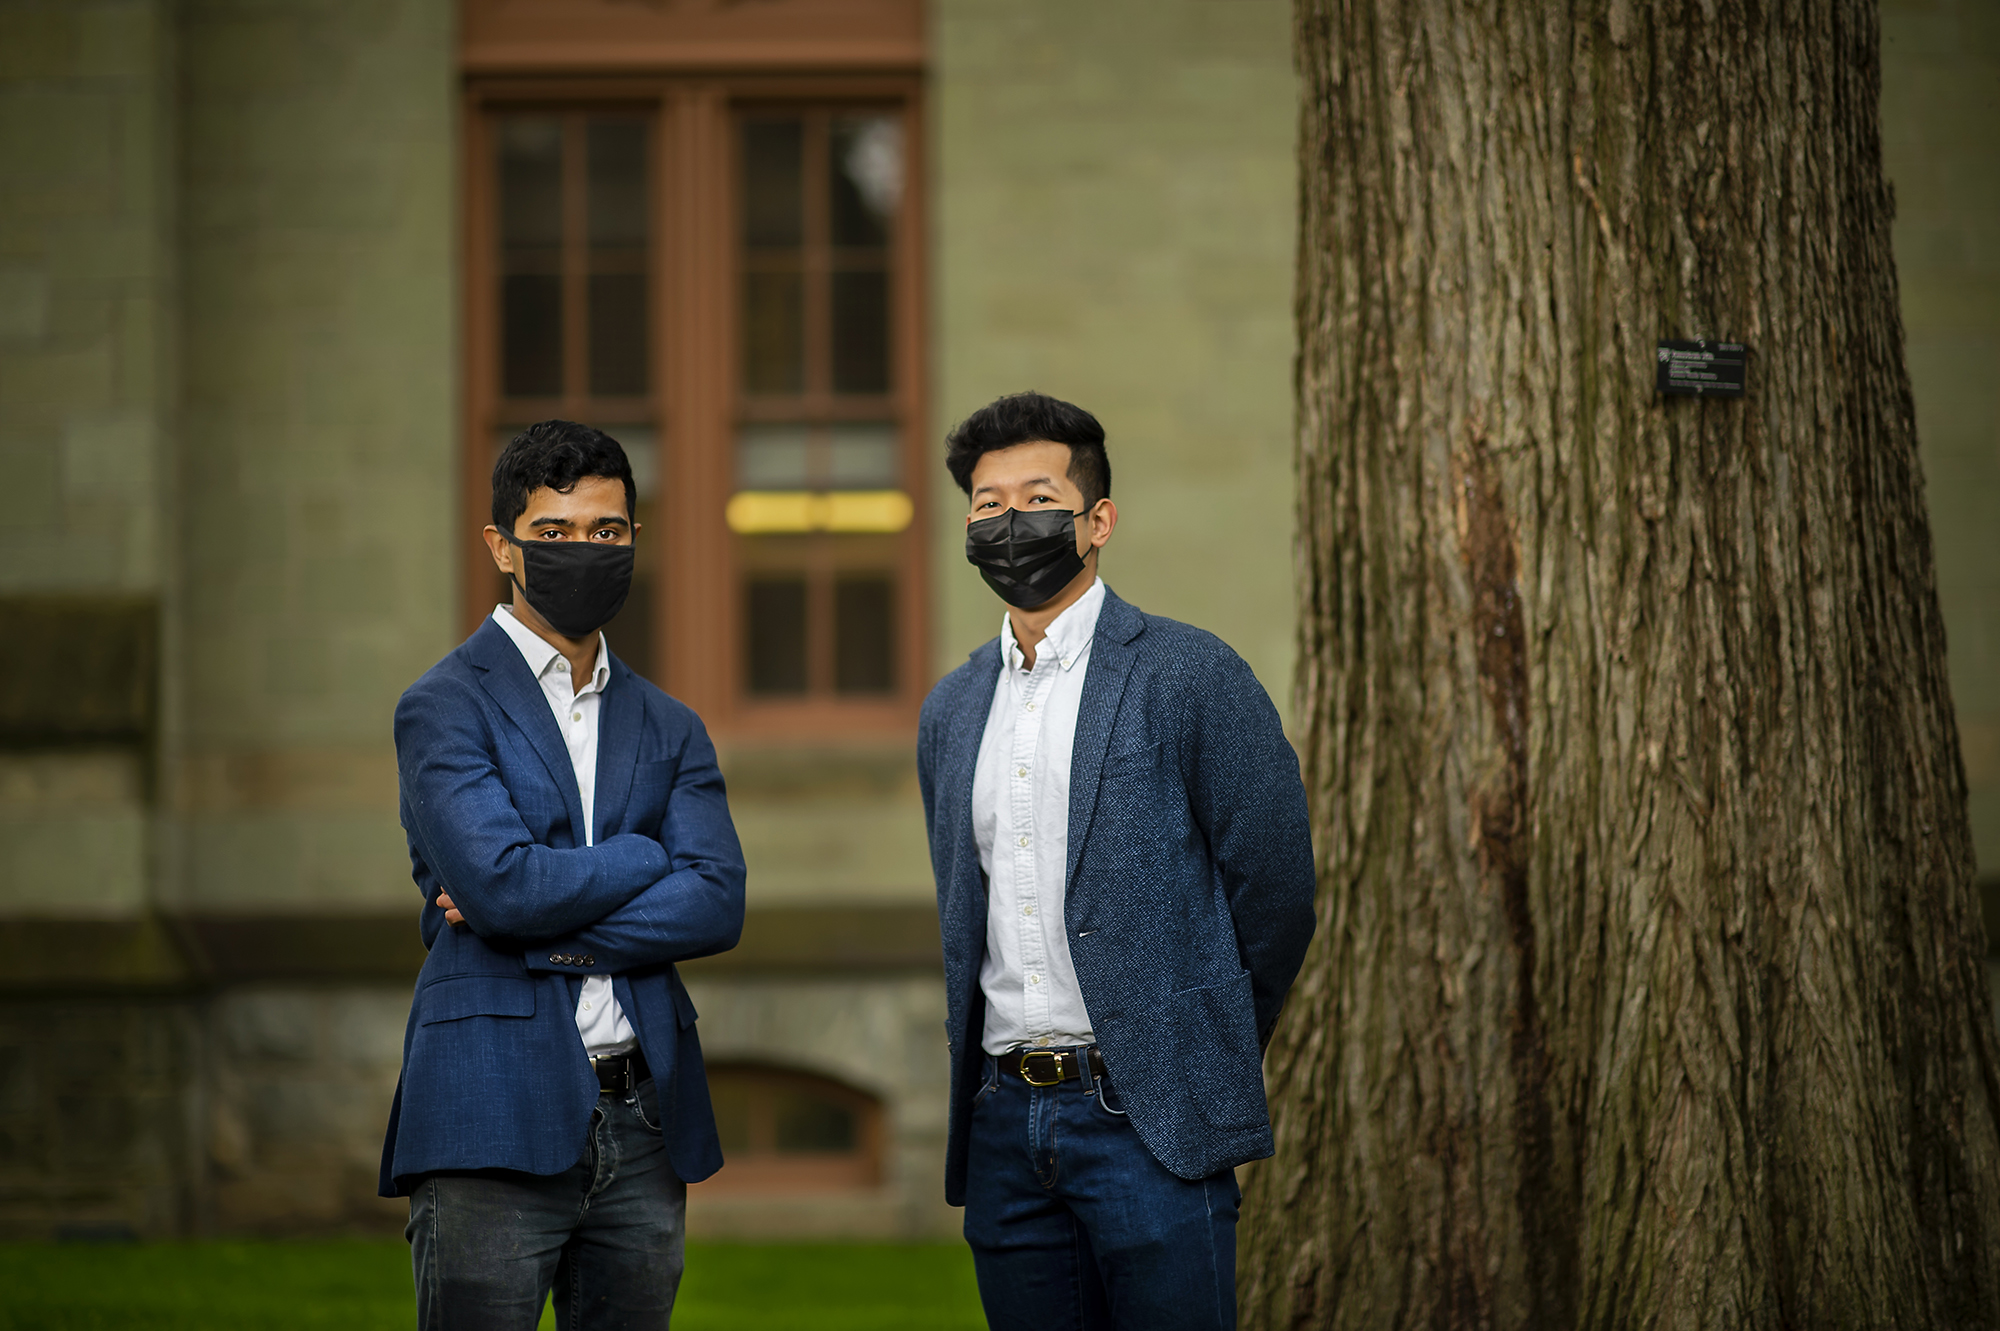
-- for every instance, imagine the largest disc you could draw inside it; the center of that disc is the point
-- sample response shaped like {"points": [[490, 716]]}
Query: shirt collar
{"points": [[1069, 632], [542, 655]]}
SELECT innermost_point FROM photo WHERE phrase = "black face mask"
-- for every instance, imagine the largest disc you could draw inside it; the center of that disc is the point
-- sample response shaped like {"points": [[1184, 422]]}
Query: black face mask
{"points": [[1026, 556], [578, 586]]}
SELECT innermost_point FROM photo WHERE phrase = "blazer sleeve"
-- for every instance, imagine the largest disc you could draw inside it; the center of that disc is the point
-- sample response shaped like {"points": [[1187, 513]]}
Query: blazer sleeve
{"points": [[464, 827], [696, 909], [1247, 796]]}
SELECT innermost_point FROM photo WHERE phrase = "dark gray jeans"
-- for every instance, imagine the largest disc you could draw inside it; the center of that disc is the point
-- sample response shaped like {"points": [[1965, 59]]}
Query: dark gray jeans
{"points": [[606, 1234]]}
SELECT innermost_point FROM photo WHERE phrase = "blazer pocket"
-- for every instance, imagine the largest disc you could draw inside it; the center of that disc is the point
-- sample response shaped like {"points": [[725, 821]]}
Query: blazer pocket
{"points": [[1137, 761], [656, 775], [458, 996], [1215, 1029]]}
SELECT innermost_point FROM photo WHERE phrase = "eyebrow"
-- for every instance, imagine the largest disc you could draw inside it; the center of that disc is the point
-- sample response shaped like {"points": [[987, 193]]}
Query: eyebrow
{"points": [[593, 524], [1033, 480]]}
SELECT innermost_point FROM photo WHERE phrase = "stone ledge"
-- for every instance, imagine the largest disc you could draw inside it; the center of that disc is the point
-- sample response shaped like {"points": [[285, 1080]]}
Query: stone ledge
{"points": [[192, 952]]}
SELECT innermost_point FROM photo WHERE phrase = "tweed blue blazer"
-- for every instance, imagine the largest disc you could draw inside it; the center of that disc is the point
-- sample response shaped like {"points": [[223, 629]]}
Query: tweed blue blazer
{"points": [[494, 1076], [1189, 897]]}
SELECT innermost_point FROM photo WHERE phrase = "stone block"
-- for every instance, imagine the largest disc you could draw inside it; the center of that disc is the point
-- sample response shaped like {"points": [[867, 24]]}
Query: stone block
{"points": [[365, 1029], [271, 1023], [24, 306], [74, 862]]}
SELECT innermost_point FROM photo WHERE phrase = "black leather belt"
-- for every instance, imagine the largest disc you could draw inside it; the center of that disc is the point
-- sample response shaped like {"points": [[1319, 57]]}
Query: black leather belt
{"points": [[619, 1072], [1050, 1067]]}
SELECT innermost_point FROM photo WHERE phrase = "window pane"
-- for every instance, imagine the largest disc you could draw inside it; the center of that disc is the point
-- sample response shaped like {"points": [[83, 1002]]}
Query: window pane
{"points": [[861, 332], [617, 182], [774, 328], [862, 457], [773, 184], [617, 287], [773, 457], [867, 175], [807, 1123], [775, 613], [864, 612], [531, 255], [829, 457], [531, 338], [618, 334]]}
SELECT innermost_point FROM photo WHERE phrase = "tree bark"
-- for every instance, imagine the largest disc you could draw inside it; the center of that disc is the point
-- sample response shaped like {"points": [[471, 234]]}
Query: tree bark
{"points": [[1649, 989]]}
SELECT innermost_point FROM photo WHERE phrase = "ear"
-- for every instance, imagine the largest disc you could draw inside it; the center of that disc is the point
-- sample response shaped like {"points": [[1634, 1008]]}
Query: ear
{"points": [[503, 552], [1099, 523]]}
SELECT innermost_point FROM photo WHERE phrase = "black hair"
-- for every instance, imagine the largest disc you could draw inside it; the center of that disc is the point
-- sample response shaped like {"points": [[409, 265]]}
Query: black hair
{"points": [[1027, 418], [556, 454]]}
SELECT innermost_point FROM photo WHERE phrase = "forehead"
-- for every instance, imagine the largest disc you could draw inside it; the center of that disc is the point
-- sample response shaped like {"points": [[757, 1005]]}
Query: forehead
{"points": [[590, 498], [1020, 464]]}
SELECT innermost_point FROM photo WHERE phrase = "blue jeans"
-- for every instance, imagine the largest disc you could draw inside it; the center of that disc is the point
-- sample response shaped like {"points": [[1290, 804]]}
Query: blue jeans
{"points": [[606, 1234], [1074, 1224]]}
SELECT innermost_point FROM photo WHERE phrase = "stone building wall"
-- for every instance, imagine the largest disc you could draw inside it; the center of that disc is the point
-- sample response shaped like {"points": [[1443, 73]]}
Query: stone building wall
{"points": [[228, 370], [1113, 224]]}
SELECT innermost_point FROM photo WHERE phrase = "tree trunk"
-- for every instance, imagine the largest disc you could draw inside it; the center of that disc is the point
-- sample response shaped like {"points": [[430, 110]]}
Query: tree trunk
{"points": [[1649, 989]]}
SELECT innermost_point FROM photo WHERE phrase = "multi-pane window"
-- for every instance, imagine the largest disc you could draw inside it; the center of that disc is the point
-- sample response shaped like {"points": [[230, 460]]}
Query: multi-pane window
{"points": [[574, 237], [723, 280], [820, 492]]}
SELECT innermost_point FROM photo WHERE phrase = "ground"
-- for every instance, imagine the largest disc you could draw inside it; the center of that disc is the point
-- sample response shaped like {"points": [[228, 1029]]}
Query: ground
{"points": [[361, 1286]]}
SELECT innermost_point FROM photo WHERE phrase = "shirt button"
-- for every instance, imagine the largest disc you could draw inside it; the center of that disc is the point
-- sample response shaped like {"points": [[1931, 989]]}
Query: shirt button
{"points": [[1020, 771], [1031, 707], [1034, 979], [586, 1007], [1027, 910], [1065, 663], [1024, 841], [576, 716]]}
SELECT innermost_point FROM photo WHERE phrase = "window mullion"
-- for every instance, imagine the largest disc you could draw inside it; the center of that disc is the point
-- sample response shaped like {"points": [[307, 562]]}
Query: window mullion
{"points": [[575, 267]]}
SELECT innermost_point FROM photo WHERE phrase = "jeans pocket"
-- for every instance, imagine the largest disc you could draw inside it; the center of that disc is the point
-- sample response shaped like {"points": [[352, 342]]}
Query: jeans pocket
{"points": [[1107, 1101], [645, 1102], [987, 1087]]}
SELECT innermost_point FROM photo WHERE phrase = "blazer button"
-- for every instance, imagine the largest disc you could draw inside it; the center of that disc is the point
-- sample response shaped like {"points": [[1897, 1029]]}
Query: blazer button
{"points": [[555, 960], [589, 960]]}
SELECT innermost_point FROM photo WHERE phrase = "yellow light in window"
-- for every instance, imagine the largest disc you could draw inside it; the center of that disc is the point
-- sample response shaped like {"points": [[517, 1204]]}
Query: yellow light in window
{"points": [[763, 512]]}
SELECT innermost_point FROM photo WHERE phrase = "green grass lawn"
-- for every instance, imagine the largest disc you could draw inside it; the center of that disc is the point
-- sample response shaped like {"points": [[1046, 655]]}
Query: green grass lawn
{"points": [[360, 1286]]}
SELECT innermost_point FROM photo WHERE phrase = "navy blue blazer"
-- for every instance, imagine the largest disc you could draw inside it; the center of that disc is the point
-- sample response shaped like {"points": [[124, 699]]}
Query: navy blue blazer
{"points": [[494, 1075], [1189, 897]]}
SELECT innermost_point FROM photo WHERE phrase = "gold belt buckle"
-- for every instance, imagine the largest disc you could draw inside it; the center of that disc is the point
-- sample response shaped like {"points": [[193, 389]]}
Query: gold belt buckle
{"points": [[1055, 1067]]}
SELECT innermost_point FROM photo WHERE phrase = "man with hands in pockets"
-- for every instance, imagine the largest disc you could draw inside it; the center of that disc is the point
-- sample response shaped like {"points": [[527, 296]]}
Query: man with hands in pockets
{"points": [[1125, 893]]}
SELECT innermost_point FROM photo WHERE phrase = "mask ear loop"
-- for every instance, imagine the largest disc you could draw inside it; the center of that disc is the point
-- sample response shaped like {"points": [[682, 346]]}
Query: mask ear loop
{"points": [[513, 577]]}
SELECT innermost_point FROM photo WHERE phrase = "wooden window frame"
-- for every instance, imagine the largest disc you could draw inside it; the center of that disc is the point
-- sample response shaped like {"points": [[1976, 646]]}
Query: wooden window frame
{"points": [[698, 630]]}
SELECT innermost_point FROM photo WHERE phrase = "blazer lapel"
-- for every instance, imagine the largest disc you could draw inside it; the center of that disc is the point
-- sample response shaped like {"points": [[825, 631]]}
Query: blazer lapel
{"points": [[1111, 657], [619, 714], [508, 682]]}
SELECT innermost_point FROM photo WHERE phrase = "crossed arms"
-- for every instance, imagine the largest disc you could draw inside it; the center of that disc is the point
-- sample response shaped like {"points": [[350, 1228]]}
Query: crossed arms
{"points": [[632, 901]]}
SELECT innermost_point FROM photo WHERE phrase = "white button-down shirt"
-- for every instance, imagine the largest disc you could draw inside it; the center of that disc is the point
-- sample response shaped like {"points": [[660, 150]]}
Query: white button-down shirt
{"points": [[599, 1019], [1020, 816]]}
